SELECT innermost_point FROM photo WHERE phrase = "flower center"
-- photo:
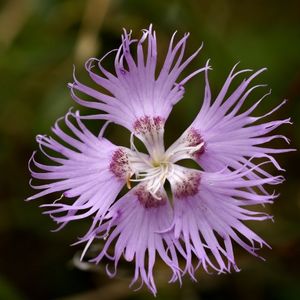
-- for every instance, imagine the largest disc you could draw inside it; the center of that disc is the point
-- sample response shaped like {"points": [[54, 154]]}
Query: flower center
{"points": [[157, 167], [153, 169]]}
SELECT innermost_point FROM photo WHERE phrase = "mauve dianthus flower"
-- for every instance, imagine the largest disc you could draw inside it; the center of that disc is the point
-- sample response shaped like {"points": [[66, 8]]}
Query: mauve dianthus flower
{"points": [[203, 214]]}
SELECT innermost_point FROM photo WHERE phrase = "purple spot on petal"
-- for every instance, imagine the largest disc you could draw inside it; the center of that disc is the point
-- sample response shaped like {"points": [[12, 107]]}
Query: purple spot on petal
{"points": [[147, 200], [194, 138], [119, 164], [148, 124], [188, 186]]}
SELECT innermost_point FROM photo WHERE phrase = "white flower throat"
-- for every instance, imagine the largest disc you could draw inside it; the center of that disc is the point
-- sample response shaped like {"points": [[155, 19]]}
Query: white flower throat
{"points": [[154, 169]]}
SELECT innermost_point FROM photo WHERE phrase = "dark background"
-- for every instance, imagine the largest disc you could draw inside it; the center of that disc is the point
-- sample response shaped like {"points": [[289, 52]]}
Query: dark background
{"points": [[39, 43]]}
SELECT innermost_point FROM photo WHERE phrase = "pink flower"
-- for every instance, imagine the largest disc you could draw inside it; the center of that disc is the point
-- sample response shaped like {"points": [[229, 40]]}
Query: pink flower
{"points": [[203, 214]]}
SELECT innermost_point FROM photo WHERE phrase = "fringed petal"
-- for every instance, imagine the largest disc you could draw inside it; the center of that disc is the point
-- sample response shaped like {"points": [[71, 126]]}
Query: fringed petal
{"points": [[134, 225], [135, 91], [83, 172], [209, 210]]}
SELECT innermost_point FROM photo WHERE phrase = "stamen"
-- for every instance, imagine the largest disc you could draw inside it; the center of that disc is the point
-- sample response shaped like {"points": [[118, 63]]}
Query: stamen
{"points": [[139, 154], [190, 146], [128, 183], [148, 200], [185, 152]]}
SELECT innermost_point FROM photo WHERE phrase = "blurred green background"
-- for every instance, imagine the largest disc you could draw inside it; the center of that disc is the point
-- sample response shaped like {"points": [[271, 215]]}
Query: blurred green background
{"points": [[40, 40]]}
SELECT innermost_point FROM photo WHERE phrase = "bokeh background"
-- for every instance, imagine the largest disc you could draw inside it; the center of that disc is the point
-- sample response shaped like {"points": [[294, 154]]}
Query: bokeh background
{"points": [[41, 40]]}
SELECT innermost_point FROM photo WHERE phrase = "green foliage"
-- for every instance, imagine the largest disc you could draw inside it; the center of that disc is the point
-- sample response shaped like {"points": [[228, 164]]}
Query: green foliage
{"points": [[39, 43]]}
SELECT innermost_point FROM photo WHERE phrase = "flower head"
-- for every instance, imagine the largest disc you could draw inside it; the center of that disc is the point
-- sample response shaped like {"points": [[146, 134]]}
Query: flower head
{"points": [[203, 214]]}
